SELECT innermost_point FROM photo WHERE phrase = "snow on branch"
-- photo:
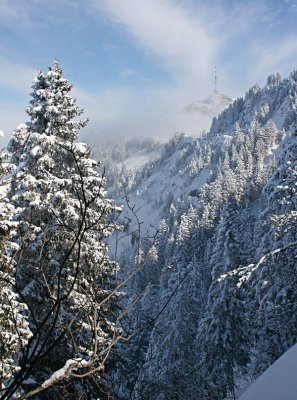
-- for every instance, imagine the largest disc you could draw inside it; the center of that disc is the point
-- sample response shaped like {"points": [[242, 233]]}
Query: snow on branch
{"points": [[244, 273], [59, 375]]}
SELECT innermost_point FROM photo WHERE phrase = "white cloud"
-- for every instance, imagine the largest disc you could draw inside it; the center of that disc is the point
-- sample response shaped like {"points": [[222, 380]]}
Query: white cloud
{"points": [[173, 37], [16, 76], [30, 15], [188, 37], [11, 10], [11, 115], [17, 12], [278, 56], [167, 30], [125, 112]]}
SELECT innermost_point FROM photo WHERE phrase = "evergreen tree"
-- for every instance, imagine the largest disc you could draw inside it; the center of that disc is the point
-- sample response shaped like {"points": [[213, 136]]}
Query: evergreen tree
{"points": [[175, 328], [14, 327], [63, 272], [275, 278], [222, 335], [245, 311], [223, 340]]}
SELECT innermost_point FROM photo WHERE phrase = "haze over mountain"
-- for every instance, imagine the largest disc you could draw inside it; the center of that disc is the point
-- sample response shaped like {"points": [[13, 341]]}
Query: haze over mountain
{"points": [[210, 107]]}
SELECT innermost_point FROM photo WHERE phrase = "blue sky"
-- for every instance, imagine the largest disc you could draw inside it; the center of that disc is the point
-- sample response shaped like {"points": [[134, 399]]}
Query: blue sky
{"points": [[136, 63]]}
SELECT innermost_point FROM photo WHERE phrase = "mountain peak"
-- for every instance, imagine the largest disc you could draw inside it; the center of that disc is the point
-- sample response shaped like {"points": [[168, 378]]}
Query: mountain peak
{"points": [[212, 106]]}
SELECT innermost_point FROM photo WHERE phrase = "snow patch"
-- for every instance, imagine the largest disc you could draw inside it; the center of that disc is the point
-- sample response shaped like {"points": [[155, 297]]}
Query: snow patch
{"points": [[64, 372], [138, 160], [35, 151], [278, 382]]}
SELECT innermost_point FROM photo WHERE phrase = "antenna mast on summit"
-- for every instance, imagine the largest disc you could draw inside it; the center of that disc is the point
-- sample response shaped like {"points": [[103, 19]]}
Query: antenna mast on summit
{"points": [[216, 82]]}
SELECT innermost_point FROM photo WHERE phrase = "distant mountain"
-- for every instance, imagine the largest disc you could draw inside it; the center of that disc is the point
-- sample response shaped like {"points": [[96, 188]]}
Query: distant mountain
{"points": [[211, 107]]}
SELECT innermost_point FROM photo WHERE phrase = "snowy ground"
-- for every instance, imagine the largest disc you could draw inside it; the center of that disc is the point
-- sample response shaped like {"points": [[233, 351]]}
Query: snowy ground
{"points": [[139, 159], [278, 382]]}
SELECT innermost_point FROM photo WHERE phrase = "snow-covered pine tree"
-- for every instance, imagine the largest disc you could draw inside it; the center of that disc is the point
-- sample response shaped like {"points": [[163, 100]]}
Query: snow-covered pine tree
{"points": [[175, 328], [275, 278], [14, 327], [223, 335], [63, 272]]}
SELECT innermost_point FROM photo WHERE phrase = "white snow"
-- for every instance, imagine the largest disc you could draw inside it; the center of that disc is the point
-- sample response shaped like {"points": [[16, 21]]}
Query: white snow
{"points": [[58, 95], [81, 147], [64, 372], [21, 126], [35, 151], [151, 195], [278, 382], [139, 159], [1, 133]]}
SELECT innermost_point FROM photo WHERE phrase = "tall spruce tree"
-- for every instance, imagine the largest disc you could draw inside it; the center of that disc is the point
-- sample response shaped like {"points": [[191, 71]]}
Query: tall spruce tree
{"points": [[14, 327], [63, 272], [275, 278], [222, 334]]}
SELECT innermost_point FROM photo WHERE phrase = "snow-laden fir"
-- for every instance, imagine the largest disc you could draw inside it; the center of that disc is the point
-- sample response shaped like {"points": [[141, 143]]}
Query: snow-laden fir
{"points": [[60, 270]]}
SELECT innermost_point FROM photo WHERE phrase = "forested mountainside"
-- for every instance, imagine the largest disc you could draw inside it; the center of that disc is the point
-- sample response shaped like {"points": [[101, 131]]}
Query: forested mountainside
{"points": [[212, 247]]}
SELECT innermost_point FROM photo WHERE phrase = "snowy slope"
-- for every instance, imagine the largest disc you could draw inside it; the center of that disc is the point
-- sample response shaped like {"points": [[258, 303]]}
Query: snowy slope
{"points": [[211, 107], [167, 178], [138, 159], [278, 382]]}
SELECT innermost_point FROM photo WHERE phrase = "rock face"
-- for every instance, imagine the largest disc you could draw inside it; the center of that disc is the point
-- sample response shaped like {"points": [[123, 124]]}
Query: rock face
{"points": [[211, 107]]}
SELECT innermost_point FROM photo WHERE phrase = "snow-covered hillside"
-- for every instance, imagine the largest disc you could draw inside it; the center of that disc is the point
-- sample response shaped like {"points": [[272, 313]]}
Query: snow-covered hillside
{"points": [[206, 210], [168, 178], [187, 163], [138, 159]]}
